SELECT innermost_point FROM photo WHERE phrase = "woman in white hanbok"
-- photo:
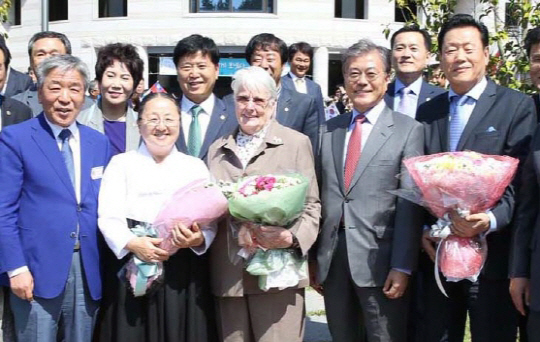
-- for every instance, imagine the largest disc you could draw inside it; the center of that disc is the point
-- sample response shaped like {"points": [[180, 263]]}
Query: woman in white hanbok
{"points": [[134, 187]]}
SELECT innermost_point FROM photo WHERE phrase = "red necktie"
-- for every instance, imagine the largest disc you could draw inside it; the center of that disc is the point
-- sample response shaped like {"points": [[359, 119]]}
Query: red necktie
{"points": [[353, 150]]}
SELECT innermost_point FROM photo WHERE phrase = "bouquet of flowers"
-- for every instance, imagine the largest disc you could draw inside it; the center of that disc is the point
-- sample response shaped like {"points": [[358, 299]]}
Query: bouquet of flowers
{"points": [[268, 200], [467, 182], [199, 201]]}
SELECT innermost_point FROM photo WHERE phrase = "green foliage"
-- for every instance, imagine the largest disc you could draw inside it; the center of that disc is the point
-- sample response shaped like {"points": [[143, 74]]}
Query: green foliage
{"points": [[4, 10], [509, 66]]}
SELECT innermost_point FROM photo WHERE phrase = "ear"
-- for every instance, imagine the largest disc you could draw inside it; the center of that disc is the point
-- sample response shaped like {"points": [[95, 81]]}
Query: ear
{"points": [[217, 71], [486, 54]]}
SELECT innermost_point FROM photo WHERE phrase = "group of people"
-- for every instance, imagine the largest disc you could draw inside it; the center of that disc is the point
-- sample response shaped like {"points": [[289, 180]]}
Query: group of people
{"points": [[80, 176]]}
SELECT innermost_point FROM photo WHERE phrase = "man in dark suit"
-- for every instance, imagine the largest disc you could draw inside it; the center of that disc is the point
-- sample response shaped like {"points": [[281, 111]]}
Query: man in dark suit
{"points": [[532, 46], [15, 81], [204, 116], [50, 175], [369, 237], [294, 110], [41, 46], [411, 48], [478, 115], [12, 111], [300, 57]]}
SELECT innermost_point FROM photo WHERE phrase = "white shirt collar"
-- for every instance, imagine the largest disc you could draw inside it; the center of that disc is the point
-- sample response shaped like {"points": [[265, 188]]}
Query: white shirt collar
{"points": [[294, 77], [475, 92], [371, 115], [415, 86], [207, 105], [57, 129], [6, 82]]}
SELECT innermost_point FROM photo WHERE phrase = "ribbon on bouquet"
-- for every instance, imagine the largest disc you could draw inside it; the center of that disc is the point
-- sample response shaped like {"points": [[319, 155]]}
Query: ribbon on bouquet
{"points": [[440, 230], [145, 269]]}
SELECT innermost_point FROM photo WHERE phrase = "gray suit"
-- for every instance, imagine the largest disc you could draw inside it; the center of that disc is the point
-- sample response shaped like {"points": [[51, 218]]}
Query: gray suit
{"points": [[367, 231], [93, 117]]}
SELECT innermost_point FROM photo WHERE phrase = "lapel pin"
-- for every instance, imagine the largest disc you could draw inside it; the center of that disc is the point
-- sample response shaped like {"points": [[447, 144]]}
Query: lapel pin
{"points": [[286, 109], [428, 98], [8, 112], [222, 117]]}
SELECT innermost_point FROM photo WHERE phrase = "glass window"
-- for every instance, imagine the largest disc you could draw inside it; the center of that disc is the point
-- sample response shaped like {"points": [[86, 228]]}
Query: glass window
{"points": [[15, 12], [264, 6], [352, 9], [112, 8], [58, 10]]}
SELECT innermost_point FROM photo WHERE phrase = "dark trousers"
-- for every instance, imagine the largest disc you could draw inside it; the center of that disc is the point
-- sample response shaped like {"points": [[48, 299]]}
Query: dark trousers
{"points": [[356, 312], [533, 326], [491, 312]]}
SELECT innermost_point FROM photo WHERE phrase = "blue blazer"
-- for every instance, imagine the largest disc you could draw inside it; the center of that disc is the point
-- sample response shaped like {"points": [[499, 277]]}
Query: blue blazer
{"points": [[39, 210], [313, 89]]}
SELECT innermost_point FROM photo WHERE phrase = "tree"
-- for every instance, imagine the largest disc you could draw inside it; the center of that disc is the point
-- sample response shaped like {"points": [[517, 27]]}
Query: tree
{"points": [[4, 10], [509, 66]]}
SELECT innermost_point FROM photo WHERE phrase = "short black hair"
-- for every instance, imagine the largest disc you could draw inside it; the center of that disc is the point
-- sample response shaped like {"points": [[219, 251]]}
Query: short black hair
{"points": [[266, 41], [123, 53], [463, 20], [412, 28], [49, 34], [193, 44], [532, 37], [301, 47], [5, 51]]}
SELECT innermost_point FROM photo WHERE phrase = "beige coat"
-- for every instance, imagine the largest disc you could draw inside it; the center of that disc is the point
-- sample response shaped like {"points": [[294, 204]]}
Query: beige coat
{"points": [[284, 151]]}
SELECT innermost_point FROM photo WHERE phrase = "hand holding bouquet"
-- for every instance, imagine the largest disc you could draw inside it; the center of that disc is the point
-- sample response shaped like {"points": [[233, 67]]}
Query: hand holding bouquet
{"points": [[266, 201], [195, 205], [464, 182]]}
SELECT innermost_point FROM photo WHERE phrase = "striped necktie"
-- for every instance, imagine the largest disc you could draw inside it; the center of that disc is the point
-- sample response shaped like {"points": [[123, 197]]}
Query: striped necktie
{"points": [[457, 121]]}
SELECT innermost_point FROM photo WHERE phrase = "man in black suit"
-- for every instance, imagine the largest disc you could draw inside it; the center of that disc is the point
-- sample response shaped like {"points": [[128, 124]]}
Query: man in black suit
{"points": [[300, 57], [15, 81], [532, 46], [41, 46], [478, 115], [295, 110], [411, 48], [204, 115]]}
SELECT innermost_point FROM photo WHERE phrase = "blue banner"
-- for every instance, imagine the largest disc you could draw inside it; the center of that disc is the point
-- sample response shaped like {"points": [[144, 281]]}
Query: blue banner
{"points": [[228, 66]]}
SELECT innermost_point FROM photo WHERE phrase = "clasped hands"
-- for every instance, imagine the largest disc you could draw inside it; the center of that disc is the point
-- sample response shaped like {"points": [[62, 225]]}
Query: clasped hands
{"points": [[147, 248], [269, 237], [469, 226]]}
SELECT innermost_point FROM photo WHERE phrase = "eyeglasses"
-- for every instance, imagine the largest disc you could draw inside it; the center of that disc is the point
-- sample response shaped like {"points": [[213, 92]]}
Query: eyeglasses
{"points": [[354, 76], [154, 122], [258, 102]]}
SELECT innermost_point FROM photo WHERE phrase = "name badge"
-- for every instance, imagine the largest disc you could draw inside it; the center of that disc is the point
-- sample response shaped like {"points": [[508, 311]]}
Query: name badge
{"points": [[97, 172]]}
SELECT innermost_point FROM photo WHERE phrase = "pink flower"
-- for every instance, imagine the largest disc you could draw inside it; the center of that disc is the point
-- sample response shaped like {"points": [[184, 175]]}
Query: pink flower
{"points": [[265, 183]]}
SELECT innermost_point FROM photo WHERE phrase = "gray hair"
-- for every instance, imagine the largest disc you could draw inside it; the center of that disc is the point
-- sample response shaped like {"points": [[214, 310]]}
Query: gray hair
{"points": [[363, 47], [92, 85], [64, 63], [256, 79], [49, 34]]}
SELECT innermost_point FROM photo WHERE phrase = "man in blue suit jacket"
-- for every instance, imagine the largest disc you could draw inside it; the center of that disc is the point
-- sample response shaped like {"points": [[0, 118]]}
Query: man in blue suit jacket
{"points": [[50, 171], [410, 54], [300, 57]]}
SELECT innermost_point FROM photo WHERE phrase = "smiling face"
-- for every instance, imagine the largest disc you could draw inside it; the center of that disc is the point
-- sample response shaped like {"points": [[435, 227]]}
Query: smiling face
{"points": [[253, 109], [62, 96], [269, 60], [365, 80], [116, 85], [300, 64], [159, 125], [409, 54], [44, 48], [535, 65], [197, 76], [463, 58]]}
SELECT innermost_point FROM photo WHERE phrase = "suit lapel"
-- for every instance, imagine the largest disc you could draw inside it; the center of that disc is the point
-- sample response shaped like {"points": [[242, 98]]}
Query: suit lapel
{"points": [[389, 96], [181, 141], [484, 103], [442, 124], [46, 142], [86, 162], [7, 115], [283, 106], [377, 138], [217, 119], [338, 145]]}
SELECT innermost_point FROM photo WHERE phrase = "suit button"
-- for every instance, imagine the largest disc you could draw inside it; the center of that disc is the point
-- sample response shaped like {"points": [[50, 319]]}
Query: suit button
{"points": [[347, 200], [73, 235], [79, 208]]}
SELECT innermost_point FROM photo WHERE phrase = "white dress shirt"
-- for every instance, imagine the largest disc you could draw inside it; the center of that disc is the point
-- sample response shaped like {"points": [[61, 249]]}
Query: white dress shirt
{"points": [[75, 144], [299, 83], [134, 186], [415, 88], [204, 116]]}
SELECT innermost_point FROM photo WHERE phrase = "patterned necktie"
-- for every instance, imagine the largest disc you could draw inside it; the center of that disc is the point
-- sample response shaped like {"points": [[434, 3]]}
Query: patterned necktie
{"points": [[406, 103], [354, 150], [300, 85], [457, 121], [194, 137], [67, 154]]}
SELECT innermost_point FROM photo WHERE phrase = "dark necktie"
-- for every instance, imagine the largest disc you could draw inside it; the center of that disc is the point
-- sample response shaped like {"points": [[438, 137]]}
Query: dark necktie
{"points": [[67, 154], [353, 150]]}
